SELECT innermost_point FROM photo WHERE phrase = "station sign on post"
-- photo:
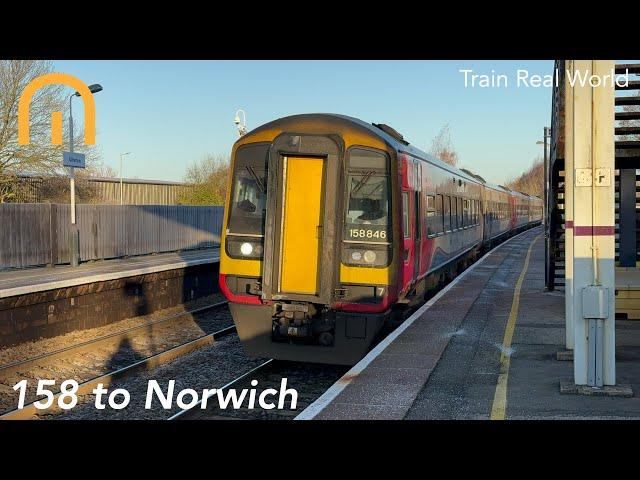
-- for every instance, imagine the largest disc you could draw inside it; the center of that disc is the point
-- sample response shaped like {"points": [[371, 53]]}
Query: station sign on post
{"points": [[73, 160]]}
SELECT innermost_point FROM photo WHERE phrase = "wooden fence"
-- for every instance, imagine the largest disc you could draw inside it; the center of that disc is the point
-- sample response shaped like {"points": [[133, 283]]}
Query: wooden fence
{"points": [[39, 234]]}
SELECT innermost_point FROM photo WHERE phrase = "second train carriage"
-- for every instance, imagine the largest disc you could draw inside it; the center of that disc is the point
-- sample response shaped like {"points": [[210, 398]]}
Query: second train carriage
{"points": [[332, 225]]}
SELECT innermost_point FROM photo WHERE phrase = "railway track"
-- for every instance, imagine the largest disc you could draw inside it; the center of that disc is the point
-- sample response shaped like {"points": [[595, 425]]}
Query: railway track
{"points": [[309, 380], [64, 363]]}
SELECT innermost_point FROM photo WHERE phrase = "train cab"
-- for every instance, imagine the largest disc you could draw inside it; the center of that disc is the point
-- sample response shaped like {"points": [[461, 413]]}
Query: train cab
{"points": [[309, 263], [334, 226]]}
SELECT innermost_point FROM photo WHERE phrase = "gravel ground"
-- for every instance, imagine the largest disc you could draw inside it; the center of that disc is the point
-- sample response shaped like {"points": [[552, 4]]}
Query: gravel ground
{"points": [[209, 367], [309, 380], [112, 356]]}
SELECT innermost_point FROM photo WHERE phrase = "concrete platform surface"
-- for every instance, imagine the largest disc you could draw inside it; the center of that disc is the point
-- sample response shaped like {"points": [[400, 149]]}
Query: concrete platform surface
{"points": [[445, 361], [30, 280]]}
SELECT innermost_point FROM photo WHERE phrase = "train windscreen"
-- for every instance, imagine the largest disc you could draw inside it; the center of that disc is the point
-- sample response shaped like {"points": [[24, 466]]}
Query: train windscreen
{"points": [[249, 191], [367, 212]]}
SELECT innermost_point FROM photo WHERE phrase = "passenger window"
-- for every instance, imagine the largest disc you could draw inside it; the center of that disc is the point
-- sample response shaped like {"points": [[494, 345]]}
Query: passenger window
{"points": [[454, 216], [460, 214], [447, 213], [432, 219], [466, 213], [476, 212], [439, 223], [431, 203]]}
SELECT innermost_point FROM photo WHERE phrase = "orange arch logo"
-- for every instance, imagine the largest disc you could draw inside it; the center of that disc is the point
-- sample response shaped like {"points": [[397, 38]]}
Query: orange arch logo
{"points": [[37, 83]]}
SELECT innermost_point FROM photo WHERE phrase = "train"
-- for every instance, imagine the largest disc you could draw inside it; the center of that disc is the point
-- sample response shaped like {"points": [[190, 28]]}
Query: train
{"points": [[334, 228]]}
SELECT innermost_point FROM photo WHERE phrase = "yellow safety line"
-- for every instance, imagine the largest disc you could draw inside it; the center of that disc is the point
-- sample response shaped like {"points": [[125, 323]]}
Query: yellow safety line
{"points": [[498, 409]]}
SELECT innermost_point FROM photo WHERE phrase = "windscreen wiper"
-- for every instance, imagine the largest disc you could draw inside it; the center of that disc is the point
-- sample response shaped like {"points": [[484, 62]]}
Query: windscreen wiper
{"points": [[255, 177], [362, 182]]}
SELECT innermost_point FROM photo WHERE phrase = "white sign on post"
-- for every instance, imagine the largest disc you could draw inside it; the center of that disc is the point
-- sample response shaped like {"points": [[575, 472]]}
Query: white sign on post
{"points": [[72, 159]]}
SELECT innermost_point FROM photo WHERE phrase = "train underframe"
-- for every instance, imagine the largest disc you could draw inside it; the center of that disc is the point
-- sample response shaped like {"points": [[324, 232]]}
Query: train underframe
{"points": [[329, 336]]}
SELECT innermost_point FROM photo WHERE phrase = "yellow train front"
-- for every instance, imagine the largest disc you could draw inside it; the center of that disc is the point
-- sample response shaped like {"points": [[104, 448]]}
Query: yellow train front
{"points": [[308, 274]]}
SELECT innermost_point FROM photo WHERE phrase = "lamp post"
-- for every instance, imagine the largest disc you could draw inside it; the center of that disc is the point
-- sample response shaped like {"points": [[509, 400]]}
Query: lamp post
{"points": [[547, 214], [122, 155], [75, 248], [546, 136]]}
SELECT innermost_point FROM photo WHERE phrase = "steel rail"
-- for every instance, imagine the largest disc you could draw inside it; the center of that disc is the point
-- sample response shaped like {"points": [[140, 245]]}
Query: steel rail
{"points": [[181, 415], [12, 368]]}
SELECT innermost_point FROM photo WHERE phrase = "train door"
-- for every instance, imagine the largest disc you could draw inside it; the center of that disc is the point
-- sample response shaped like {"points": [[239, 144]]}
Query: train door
{"points": [[460, 222], [409, 222], [304, 186], [417, 244], [487, 214], [301, 224], [482, 212]]}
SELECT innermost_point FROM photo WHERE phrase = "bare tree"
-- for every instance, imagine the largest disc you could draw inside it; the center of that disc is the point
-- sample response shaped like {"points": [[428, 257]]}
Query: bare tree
{"points": [[40, 156], [442, 147], [101, 170], [56, 189], [531, 181], [207, 181]]}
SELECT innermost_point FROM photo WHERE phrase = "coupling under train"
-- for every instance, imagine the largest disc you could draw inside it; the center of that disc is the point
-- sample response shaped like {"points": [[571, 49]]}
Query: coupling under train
{"points": [[333, 227]]}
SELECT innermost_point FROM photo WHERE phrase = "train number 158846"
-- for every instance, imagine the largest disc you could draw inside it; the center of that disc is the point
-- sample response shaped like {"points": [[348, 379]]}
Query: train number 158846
{"points": [[366, 233]]}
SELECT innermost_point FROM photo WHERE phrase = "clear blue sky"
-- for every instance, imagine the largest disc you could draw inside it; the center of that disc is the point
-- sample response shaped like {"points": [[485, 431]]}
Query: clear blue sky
{"points": [[172, 113]]}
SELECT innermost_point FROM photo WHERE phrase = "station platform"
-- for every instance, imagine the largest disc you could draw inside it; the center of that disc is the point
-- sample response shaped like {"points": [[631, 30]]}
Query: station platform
{"points": [[446, 361], [38, 279], [45, 302]]}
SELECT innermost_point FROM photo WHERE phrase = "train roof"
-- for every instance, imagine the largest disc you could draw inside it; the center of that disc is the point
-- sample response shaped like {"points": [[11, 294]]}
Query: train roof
{"points": [[389, 135]]}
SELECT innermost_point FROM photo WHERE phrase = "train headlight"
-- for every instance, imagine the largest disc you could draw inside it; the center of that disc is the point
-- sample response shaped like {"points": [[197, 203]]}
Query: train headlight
{"points": [[356, 256], [369, 256], [246, 249], [241, 248]]}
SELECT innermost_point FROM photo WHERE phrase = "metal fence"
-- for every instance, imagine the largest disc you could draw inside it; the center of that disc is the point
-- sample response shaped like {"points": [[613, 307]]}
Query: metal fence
{"points": [[39, 234], [137, 192], [99, 190]]}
